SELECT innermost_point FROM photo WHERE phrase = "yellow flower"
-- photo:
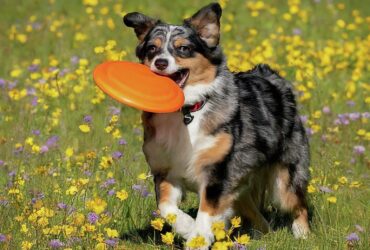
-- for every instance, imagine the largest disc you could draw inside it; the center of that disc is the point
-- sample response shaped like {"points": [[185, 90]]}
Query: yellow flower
{"points": [[332, 199], [101, 246], [111, 233], [69, 152], [26, 245], [218, 230], [72, 190], [24, 228], [122, 195], [99, 49], [157, 224], [341, 23], [343, 180], [197, 242], [167, 238], [171, 218], [311, 189], [142, 176], [243, 239], [105, 162], [84, 128], [43, 221], [96, 205], [355, 184], [116, 134], [91, 2], [361, 132], [222, 245], [79, 36], [235, 222], [78, 219], [15, 73], [35, 149]]}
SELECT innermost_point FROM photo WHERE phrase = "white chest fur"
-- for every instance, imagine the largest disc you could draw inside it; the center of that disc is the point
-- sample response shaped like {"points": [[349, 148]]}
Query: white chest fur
{"points": [[175, 146]]}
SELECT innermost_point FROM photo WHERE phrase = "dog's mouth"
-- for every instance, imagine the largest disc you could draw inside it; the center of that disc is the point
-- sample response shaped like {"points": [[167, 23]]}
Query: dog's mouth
{"points": [[180, 77]]}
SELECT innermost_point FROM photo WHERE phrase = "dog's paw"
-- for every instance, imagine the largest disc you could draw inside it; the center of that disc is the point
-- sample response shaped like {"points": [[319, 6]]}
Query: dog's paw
{"points": [[201, 241], [184, 226], [300, 231]]}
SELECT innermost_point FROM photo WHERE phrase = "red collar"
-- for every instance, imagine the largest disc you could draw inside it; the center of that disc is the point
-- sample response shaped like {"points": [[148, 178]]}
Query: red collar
{"points": [[197, 106], [188, 109]]}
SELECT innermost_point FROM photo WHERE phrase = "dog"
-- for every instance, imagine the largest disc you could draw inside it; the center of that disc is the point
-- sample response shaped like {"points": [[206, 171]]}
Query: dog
{"points": [[238, 141]]}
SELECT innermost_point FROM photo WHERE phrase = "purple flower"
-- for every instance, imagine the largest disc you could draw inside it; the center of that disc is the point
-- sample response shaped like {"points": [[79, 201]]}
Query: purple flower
{"points": [[87, 173], [33, 68], [34, 101], [155, 213], [11, 85], [92, 218], [2, 238], [56, 243], [309, 131], [12, 173], [111, 242], [108, 182], [354, 116], [326, 110], [44, 149], [111, 192], [325, 189], [31, 91], [75, 60], [2, 163], [4, 202], [116, 155], [297, 31], [114, 111], [366, 115], [52, 141], [36, 132], [87, 118], [18, 150], [142, 190], [2, 83], [304, 118], [352, 237], [62, 205], [359, 149], [359, 228], [136, 187], [351, 103], [122, 142]]}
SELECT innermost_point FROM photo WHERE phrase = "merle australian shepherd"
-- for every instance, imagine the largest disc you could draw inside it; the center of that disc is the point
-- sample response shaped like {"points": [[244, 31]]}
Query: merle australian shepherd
{"points": [[238, 141]]}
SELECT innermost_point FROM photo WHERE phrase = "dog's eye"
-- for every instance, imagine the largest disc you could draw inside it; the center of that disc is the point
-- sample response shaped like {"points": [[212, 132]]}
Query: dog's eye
{"points": [[184, 48], [152, 48]]}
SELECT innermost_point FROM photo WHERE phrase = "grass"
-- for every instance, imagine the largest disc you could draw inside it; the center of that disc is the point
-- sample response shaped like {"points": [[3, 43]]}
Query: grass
{"points": [[323, 47]]}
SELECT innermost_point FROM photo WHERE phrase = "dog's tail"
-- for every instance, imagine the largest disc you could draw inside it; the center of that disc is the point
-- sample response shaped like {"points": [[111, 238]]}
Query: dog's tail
{"points": [[266, 72]]}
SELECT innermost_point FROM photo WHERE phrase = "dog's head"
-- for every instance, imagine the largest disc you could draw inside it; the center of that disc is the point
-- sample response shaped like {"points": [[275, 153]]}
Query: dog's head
{"points": [[188, 53]]}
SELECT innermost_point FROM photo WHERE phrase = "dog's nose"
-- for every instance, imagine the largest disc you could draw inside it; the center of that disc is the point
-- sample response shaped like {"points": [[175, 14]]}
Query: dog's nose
{"points": [[161, 63]]}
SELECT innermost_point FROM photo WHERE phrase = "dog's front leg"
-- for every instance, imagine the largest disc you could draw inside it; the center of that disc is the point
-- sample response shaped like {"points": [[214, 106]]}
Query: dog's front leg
{"points": [[214, 206], [169, 195]]}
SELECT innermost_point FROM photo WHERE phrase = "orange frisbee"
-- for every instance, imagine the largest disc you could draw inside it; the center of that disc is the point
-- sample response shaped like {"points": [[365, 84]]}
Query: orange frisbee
{"points": [[137, 86]]}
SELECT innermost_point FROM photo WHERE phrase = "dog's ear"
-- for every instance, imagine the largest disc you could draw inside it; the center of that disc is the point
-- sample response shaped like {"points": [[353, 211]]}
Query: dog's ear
{"points": [[207, 23], [142, 24]]}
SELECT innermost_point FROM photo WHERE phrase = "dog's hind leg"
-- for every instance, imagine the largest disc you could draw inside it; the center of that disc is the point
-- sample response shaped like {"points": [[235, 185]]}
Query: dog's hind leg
{"points": [[247, 207], [168, 195], [290, 198]]}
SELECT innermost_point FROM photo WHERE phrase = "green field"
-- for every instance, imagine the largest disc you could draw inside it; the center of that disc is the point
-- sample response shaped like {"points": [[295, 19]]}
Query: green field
{"points": [[72, 173]]}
